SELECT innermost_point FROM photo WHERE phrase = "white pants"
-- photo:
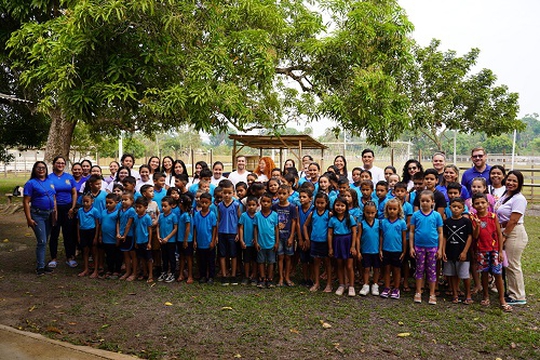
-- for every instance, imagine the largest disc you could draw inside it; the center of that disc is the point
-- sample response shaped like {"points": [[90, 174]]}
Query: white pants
{"points": [[514, 246]]}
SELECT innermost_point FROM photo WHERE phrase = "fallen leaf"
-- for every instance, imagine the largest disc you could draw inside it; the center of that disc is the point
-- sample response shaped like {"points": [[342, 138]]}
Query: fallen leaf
{"points": [[226, 308], [326, 325], [5, 240], [168, 304], [151, 286], [403, 334], [32, 308], [400, 323], [434, 341], [104, 326], [237, 356], [513, 345], [72, 323], [476, 319], [294, 331], [54, 329]]}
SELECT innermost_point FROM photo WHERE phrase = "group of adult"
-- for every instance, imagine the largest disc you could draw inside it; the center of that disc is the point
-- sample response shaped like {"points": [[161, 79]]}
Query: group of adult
{"points": [[50, 199]]}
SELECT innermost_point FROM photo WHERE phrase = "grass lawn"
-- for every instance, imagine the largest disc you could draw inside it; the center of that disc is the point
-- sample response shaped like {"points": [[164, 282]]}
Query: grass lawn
{"points": [[204, 321]]}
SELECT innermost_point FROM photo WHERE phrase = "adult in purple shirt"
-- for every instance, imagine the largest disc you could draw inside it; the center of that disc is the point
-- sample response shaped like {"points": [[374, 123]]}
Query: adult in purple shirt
{"points": [[479, 169]]}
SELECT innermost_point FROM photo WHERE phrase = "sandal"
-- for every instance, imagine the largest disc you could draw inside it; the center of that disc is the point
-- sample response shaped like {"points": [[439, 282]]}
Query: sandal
{"points": [[52, 264], [149, 281], [506, 308], [476, 290], [407, 289], [485, 302], [189, 281], [314, 288], [468, 301], [289, 283], [328, 289], [455, 300]]}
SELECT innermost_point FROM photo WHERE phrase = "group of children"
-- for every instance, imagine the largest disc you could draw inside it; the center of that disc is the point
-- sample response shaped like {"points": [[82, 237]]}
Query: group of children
{"points": [[324, 221]]}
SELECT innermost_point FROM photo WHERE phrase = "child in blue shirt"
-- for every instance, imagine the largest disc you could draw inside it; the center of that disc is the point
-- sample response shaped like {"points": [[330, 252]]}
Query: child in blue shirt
{"points": [[229, 211], [205, 239], [246, 226], [266, 240], [125, 238], [288, 223], [381, 190], [369, 248], [393, 246], [167, 227], [108, 220], [453, 190], [184, 239], [401, 193], [159, 188], [87, 230], [305, 208], [143, 238]]}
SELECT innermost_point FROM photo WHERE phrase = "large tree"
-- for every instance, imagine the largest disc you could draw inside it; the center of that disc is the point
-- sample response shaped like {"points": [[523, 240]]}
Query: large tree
{"points": [[446, 95], [142, 65]]}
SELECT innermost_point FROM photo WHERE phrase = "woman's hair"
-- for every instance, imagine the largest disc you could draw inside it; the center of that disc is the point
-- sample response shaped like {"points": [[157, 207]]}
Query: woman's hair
{"points": [[316, 164], [172, 164], [400, 208], [291, 179], [118, 172], [118, 186], [267, 169], [144, 166], [406, 176], [498, 167], [182, 164], [125, 156], [203, 165], [293, 163], [519, 175], [150, 159], [87, 161], [344, 172], [217, 163], [97, 167], [33, 174], [454, 168], [347, 216], [390, 167]]}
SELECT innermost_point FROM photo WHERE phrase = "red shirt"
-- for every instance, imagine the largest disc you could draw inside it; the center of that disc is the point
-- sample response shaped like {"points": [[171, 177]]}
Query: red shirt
{"points": [[488, 239]]}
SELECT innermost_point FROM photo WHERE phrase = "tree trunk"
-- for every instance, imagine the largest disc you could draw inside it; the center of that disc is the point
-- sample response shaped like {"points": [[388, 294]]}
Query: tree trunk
{"points": [[60, 133]]}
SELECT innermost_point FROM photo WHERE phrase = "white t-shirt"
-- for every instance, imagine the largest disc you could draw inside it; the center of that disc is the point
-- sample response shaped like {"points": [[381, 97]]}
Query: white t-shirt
{"points": [[141, 183], [235, 177], [517, 204], [377, 174], [215, 181]]}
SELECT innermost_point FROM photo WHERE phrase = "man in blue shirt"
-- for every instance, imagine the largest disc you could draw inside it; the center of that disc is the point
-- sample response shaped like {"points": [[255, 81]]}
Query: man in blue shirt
{"points": [[479, 169]]}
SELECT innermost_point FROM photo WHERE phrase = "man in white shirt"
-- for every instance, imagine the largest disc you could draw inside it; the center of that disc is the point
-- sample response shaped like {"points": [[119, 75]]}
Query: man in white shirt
{"points": [[241, 173], [368, 156]]}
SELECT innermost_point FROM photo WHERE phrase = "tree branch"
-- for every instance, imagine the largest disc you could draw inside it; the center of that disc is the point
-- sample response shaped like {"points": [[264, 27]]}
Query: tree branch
{"points": [[289, 71]]}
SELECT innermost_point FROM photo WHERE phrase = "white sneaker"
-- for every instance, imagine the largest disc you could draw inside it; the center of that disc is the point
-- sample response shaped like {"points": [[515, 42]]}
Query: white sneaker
{"points": [[375, 290], [162, 276], [352, 292], [365, 290], [340, 290]]}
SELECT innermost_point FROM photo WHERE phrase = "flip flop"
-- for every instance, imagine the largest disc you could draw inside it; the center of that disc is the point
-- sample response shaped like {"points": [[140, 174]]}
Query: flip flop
{"points": [[485, 302], [506, 308], [468, 301], [52, 264]]}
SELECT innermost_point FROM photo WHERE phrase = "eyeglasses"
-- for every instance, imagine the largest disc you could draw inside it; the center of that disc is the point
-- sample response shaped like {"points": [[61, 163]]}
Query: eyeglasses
{"points": [[412, 168], [477, 156]]}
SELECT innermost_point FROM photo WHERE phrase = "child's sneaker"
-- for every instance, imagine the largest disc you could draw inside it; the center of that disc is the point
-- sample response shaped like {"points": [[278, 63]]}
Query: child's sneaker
{"points": [[375, 290], [162, 277], [418, 298], [395, 294], [253, 282], [234, 281], [169, 278], [340, 290], [270, 284], [432, 300], [244, 282], [224, 281], [385, 293], [365, 290], [260, 284], [352, 292]]}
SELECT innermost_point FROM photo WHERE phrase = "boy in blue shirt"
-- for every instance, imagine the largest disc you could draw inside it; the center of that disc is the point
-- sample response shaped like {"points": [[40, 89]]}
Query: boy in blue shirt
{"points": [[288, 224], [205, 239], [229, 211], [87, 231], [166, 230], [159, 188], [246, 226], [143, 237], [381, 190], [453, 190], [266, 240], [107, 221]]}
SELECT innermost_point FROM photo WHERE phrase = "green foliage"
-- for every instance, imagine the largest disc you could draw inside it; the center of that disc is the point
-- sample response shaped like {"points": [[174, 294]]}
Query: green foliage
{"points": [[498, 144], [446, 96]]}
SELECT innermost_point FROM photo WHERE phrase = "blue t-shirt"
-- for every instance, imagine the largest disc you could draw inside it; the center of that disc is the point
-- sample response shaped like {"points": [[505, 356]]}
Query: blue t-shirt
{"points": [[183, 220], [63, 185], [204, 226], [286, 215], [158, 196], [266, 229], [87, 219], [380, 208], [340, 226], [357, 214], [107, 223], [408, 210], [319, 226], [294, 198], [361, 205], [99, 200], [470, 174], [195, 187], [248, 224], [302, 217], [426, 228], [228, 217], [142, 223], [41, 193], [464, 193], [369, 241], [166, 226], [392, 234], [124, 217]]}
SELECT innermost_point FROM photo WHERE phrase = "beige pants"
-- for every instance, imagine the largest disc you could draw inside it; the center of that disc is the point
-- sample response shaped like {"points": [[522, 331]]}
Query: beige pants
{"points": [[514, 246]]}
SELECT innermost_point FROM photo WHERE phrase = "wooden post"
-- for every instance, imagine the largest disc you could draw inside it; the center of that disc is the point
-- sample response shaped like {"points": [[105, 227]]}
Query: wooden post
{"points": [[392, 156], [233, 155], [532, 182]]}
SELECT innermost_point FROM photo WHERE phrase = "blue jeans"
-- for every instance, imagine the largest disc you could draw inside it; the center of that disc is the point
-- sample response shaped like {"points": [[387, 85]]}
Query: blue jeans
{"points": [[42, 231]]}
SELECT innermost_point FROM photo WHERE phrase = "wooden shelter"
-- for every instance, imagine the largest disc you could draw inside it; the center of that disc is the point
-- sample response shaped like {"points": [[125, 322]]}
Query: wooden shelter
{"points": [[295, 145]]}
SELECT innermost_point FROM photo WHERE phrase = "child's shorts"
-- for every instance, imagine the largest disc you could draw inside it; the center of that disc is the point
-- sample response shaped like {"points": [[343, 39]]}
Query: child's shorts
{"points": [[319, 249], [249, 254], [156, 245], [283, 249], [488, 261], [457, 268], [305, 255], [342, 246], [127, 244], [266, 256], [227, 245], [143, 252], [371, 261], [87, 237], [392, 258], [188, 251]]}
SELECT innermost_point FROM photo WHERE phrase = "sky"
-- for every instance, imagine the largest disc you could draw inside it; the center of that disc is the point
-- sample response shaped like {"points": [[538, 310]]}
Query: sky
{"points": [[506, 32]]}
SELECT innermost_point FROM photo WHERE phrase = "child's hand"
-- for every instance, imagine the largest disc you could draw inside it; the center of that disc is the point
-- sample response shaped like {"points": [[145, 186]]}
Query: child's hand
{"points": [[236, 238], [439, 254], [185, 245], [331, 253], [307, 245], [289, 242], [149, 246], [501, 257], [444, 258], [402, 256], [258, 247], [462, 256], [353, 251], [243, 245], [194, 245], [381, 255], [413, 253], [359, 256], [276, 246], [95, 242], [212, 245]]}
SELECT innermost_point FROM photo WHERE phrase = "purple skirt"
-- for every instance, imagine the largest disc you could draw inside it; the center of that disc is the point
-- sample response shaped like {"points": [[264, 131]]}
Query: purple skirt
{"points": [[342, 246]]}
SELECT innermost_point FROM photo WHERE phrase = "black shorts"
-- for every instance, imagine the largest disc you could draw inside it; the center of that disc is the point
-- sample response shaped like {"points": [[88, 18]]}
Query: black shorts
{"points": [[143, 252], [127, 244], [87, 237], [227, 245], [305, 255], [319, 249], [371, 261], [392, 258], [188, 251], [249, 254]]}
